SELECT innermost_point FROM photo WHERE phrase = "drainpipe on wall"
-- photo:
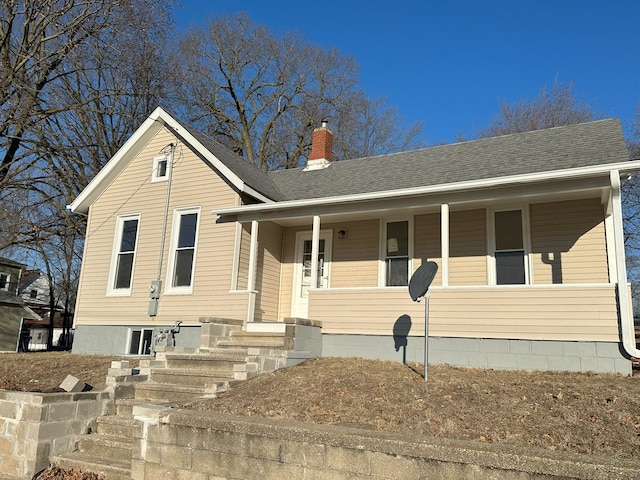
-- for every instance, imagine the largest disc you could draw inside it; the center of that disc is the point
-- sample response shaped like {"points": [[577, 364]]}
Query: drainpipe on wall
{"points": [[624, 300]]}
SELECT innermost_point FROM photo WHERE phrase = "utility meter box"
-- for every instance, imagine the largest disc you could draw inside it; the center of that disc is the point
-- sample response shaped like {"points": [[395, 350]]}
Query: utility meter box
{"points": [[154, 289]]}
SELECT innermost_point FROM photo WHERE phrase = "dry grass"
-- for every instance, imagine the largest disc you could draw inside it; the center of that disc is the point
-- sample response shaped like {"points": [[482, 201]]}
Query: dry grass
{"points": [[583, 413], [594, 414], [45, 371]]}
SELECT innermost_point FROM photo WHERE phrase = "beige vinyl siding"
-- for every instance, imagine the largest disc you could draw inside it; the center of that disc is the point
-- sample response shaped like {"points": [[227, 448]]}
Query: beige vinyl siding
{"points": [[132, 192], [268, 271], [354, 261], [568, 242], [288, 259], [243, 261], [355, 258], [468, 248], [537, 313], [427, 242]]}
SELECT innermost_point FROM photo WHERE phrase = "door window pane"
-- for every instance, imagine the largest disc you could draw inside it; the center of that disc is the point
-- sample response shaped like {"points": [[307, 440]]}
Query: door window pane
{"points": [[306, 262]]}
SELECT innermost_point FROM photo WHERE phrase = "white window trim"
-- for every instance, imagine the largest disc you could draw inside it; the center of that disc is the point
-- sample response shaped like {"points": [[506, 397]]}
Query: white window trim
{"points": [[154, 174], [175, 230], [526, 244], [382, 265], [117, 239], [130, 338], [7, 280]]}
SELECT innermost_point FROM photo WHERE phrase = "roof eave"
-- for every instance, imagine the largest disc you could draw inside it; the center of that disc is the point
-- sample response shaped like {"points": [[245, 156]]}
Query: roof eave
{"points": [[157, 120], [626, 167]]}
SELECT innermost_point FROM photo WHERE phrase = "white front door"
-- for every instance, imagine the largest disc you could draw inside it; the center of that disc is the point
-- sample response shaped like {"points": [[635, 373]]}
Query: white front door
{"points": [[302, 270]]}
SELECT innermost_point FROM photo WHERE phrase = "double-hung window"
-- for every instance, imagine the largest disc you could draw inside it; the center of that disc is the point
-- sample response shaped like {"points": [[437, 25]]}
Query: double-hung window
{"points": [[510, 251], [183, 250], [124, 254], [4, 281], [396, 252]]}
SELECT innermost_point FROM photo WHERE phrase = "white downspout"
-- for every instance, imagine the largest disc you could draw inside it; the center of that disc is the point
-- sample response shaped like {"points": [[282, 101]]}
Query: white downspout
{"points": [[626, 319]]}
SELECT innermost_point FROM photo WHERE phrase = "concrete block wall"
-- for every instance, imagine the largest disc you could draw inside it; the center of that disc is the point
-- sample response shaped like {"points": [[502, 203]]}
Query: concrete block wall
{"points": [[182, 444], [513, 354], [36, 426]]}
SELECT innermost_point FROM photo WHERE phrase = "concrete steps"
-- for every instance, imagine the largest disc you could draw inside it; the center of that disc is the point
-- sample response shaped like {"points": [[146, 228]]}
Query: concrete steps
{"points": [[173, 376], [276, 340], [111, 469], [160, 393], [119, 426]]}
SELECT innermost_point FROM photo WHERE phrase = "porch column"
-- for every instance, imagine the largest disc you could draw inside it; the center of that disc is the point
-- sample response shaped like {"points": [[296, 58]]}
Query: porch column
{"points": [[251, 274], [444, 243], [315, 247]]}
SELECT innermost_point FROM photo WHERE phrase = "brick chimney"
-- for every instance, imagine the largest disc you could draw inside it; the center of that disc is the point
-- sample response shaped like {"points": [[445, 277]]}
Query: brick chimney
{"points": [[321, 148]]}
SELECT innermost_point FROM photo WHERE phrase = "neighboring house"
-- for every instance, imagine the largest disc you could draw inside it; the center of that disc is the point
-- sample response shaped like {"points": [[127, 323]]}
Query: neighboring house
{"points": [[13, 311], [34, 290], [526, 230]]}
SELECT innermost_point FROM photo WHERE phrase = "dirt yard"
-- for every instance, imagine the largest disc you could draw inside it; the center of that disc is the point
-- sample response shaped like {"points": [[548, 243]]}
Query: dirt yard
{"points": [[592, 414]]}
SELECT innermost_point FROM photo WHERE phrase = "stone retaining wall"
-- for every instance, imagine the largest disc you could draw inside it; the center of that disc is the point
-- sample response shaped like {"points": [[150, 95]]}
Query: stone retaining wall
{"points": [[184, 444], [36, 426]]}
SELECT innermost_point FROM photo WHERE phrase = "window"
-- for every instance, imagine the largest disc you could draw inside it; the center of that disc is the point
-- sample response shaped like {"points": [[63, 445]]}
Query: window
{"points": [[4, 281], [140, 343], [123, 259], [183, 250], [510, 253], [396, 253], [33, 294], [161, 167]]}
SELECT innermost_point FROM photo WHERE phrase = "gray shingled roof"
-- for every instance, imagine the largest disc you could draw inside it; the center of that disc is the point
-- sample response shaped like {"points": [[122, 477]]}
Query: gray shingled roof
{"points": [[582, 145], [572, 146], [252, 176]]}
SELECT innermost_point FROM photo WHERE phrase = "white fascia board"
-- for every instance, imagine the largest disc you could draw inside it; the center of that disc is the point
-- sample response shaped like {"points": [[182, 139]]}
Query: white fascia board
{"points": [[213, 160], [568, 174], [114, 166], [157, 120]]}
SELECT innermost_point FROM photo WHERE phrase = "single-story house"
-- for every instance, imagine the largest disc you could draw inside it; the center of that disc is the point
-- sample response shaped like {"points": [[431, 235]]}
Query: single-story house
{"points": [[13, 311], [526, 230]]}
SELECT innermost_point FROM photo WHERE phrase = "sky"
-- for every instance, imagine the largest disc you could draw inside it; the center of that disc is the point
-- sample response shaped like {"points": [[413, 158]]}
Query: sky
{"points": [[450, 64]]}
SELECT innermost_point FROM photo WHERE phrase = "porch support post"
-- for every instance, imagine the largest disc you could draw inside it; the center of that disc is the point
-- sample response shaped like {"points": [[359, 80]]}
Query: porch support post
{"points": [[315, 247], [251, 274], [444, 243]]}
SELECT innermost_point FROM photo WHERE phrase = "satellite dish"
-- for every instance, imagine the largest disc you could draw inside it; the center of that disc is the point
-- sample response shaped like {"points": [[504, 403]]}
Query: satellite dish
{"points": [[421, 280]]}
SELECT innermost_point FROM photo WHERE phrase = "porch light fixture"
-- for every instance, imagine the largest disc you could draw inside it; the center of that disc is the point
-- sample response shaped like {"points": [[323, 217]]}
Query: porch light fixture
{"points": [[342, 234]]}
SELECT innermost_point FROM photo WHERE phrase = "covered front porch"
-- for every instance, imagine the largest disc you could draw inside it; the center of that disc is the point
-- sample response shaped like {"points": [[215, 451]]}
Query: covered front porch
{"points": [[534, 262]]}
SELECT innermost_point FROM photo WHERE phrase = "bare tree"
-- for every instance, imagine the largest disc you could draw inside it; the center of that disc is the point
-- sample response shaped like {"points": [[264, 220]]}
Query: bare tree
{"points": [[631, 210], [549, 109], [262, 95], [59, 132]]}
